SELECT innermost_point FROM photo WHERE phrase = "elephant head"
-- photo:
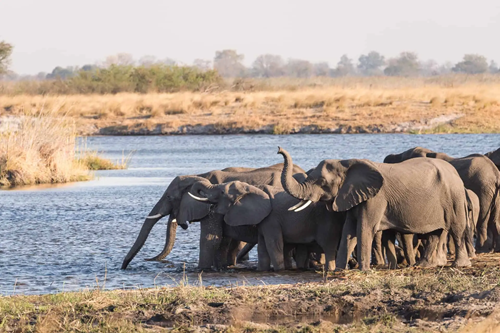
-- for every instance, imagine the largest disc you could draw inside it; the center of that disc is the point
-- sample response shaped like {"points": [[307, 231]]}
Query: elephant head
{"points": [[495, 157], [342, 184], [240, 203], [180, 207]]}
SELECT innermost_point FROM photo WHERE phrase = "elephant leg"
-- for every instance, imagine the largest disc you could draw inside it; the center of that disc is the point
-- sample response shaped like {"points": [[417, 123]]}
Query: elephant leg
{"points": [[484, 241], [222, 254], [469, 240], [264, 263], [276, 249], [364, 235], [301, 256], [429, 256], [441, 258], [347, 242], [457, 231], [378, 253], [232, 252], [495, 226], [243, 254], [407, 243], [289, 253], [388, 241], [451, 245], [210, 239]]}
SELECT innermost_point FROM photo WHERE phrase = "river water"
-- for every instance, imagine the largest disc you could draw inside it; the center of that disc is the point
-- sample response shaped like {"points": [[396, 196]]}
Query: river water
{"points": [[75, 236]]}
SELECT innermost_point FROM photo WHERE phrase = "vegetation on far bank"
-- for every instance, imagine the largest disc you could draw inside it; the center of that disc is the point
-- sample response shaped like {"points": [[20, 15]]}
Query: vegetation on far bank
{"points": [[412, 299], [281, 106], [41, 149]]}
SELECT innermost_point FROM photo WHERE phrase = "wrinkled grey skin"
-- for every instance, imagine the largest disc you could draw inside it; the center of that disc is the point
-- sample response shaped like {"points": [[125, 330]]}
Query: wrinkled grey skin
{"points": [[494, 156], [481, 176], [417, 196], [177, 204], [265, 208]]}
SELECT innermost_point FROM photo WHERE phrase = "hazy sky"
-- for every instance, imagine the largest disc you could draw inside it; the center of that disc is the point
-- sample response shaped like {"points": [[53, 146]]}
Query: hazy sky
{"points": [[50, 33]]}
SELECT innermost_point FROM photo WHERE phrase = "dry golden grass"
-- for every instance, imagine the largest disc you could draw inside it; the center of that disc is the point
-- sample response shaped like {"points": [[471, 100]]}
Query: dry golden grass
{"points": [[358, 102], [42, 151]]}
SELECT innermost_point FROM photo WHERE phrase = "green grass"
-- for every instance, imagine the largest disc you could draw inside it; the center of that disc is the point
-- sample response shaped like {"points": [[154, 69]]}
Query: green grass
{"points": [[92, 161]]}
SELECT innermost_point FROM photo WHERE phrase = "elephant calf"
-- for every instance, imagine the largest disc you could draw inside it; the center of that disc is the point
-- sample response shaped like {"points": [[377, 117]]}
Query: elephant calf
{"points": [[267, 208]]}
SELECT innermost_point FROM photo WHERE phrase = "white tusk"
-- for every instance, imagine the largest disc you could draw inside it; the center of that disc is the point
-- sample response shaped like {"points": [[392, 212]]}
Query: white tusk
{"points": [[197, 198], [154, 216], [174, 220], [303, 206], [301, 202]]}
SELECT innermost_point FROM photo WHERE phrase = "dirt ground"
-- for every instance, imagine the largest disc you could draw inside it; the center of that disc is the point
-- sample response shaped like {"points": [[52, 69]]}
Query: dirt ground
{"points": [[441, 299]]}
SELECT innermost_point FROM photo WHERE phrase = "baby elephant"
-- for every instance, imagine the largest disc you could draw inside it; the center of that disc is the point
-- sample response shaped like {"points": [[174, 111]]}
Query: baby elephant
{"points": [[278, 217]]}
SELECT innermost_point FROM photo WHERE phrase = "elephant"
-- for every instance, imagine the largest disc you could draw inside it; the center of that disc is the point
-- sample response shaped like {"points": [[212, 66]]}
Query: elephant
{"points": [[180, 208], [419, 196], [481, 176], [265, 208], [494, 156]]}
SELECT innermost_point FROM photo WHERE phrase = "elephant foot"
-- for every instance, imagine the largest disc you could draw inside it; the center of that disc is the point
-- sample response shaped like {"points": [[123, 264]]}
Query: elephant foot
{"points": [[393, 266], [472, 255], [427, 264], [464, 262]]}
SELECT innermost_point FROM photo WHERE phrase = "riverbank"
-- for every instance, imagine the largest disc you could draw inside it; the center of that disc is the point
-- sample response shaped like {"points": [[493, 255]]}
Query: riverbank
{"points": [[360, 105], [419, 300]]}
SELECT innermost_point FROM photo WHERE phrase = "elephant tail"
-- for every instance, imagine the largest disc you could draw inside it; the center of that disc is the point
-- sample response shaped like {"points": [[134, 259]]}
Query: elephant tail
{"points": [[169, 242]]}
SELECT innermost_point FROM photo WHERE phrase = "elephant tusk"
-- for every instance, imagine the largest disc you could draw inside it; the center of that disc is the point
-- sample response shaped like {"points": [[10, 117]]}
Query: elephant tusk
{"points": [[197, 198], [154, 216], [294, 207], [303, 205]]}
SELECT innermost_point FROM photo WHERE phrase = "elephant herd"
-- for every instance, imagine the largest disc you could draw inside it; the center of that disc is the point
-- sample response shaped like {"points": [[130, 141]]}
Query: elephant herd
{"points": [[418, 206]]}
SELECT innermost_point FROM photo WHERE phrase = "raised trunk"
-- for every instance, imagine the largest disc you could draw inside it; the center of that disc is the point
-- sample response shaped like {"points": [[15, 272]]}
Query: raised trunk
{"points": [[170, 241], [289, 183], [163, 208], [203, 189]]}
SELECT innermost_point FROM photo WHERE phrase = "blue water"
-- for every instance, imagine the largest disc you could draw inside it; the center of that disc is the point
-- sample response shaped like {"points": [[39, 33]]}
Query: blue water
{"points": [[75, 236]]}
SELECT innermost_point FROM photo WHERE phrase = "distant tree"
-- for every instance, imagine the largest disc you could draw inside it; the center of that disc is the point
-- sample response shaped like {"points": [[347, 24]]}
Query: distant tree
{"points": [[345, 67], [5, 52], [169, 62], [493, 68], [445, 68], [429, 68], [62, 73], [41, 76], [120, 59], [148, 60], [268, 65], [321, 69], [228, 63], [299, 68], [370, 64], [472, 64], [202, 64], [89, 68], [406, 64]]}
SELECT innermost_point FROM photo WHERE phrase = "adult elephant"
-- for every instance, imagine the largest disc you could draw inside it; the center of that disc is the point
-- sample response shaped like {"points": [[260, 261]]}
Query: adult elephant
{"points": [[494, 156], [481, 176], [420, 196], [267, 208], [180, 207]]}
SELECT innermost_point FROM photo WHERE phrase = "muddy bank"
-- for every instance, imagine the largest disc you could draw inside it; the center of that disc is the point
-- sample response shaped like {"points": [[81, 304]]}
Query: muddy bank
{"points": [[234, 128], [441, 299]]}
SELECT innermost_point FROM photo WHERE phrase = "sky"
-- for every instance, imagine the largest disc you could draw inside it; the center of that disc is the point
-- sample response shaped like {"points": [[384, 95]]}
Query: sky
{"points": [[51, 33]]}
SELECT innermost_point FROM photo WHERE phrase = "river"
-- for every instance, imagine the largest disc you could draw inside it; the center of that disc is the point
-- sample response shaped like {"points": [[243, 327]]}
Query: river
{"points": [[75, 236]]}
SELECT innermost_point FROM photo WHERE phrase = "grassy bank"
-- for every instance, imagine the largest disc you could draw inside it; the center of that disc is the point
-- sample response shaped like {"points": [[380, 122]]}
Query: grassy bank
{"points": [[415, 300], [354, 105], [40, 149]]}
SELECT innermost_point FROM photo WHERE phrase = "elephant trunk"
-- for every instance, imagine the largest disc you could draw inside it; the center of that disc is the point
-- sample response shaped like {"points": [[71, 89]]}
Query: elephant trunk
{"points": [[162, 208], [170, 241], [201, 191], [290, 184]]}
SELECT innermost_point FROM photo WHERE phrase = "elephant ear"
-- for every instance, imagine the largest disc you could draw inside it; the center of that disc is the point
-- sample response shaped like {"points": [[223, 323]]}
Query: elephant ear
{"points": [[362, 182], [191, 210], [250, 209]]}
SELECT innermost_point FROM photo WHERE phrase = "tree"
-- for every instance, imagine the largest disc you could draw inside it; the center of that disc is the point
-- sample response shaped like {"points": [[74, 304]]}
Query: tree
{"points": [[321, 69], [148, 60], [345, 67], [472, 64], [202, 64], [429, 68], [370, 64], [89, 68], [493, 68], [5, 52], [229, 63], [268, 65], [406, 64], [62, 73], [120, 59], [299, 68]]}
